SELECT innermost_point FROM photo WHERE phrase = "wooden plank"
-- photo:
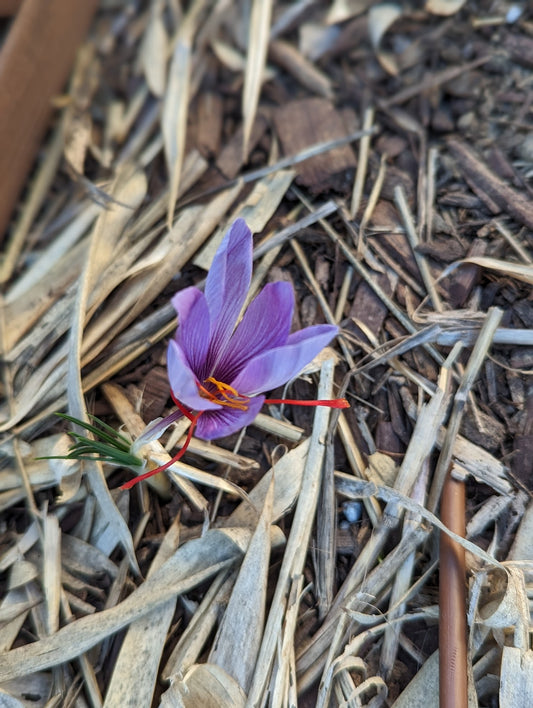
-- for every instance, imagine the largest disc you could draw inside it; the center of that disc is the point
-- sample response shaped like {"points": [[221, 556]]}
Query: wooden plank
{"points": [[34, 64]]}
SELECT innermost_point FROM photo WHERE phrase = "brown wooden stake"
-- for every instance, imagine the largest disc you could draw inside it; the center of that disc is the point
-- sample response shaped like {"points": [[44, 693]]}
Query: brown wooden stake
{"points": [[453, 681], [35, 62]]}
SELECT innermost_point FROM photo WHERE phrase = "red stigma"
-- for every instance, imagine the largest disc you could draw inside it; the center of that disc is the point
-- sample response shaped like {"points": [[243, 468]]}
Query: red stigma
{"points": [[225, 395], [178, 456], [332, 403]]}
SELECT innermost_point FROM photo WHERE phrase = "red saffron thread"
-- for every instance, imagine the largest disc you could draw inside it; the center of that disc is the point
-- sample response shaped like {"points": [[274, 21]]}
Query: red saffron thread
{"points": [[222, 389], [178, 456], [186, 413], [334, 403]]}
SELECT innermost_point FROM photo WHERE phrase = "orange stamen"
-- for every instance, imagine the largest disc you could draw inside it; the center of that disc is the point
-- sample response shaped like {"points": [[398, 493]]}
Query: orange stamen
{"points": [[225, 395], [178, 456], [335, 403]]}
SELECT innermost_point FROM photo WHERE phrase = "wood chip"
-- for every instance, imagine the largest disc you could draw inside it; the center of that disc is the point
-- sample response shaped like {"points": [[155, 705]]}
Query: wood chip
{"points": [[302, 123], [489, 187]]}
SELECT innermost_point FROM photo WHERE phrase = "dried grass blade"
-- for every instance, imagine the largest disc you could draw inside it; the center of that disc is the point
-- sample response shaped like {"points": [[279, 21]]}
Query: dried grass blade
{"points": [[180, 470], [513, 242], [256, 209], [128, 190], [192, 564], [332, 636], [52, 571], [516, 687], [40, 309], [239, 637], [154, 50], [204, 685], [290, 59], [423, 267], [483, 466], [362, 163], [422, 443], [21, 547], [289, 231], [479, 352], [174, 118], [520, 271], [280, 428], [135, 672], [193, 638], [188, 233], [367, 277], [522, 548], [425, 435], [176, 104], [258, 36], [284, 691], [287, 475], [391, 637], [326, 537], [423, 689], [297, 544], [357, 489]]}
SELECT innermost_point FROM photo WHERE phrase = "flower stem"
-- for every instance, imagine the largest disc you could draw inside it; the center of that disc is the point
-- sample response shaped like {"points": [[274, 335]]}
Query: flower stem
{"points": [[178, 456]]}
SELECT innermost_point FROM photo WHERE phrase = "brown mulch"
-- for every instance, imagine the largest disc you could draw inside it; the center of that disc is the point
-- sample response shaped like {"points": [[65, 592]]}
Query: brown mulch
{"points": [[382, 155]]}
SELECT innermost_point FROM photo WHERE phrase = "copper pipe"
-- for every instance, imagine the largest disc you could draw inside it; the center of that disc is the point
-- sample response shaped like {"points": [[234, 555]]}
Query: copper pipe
{"points": [[35, 62], [453, 677], [9, 7]]}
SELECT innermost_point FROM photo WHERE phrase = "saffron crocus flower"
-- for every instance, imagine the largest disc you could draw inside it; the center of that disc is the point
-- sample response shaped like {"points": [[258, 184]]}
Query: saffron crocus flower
{"points": [[219, 366]]}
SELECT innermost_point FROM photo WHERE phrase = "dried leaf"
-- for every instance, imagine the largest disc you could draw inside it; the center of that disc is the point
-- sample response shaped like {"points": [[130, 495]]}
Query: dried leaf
{"points": [[520, 271], [174, 118], [445, 8], [204, 685], [129, 190], [239, 636], [135, 671], [342, 10], [380, 18], [258, 35], [516, 687], [154, 51], [192, 564], [296, 549]]}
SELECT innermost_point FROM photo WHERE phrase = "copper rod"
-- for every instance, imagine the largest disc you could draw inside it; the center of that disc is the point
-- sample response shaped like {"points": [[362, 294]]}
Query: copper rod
{"points": [[35, 62], [9, 7], [453, 678]]}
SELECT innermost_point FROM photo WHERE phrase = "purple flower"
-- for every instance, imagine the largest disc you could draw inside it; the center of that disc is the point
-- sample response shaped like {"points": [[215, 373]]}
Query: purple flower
{"points": [[221, 367]]}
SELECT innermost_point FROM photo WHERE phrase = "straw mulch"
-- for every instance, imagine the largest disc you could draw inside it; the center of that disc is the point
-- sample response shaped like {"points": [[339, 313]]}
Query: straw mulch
{"points": [[382, 155]]}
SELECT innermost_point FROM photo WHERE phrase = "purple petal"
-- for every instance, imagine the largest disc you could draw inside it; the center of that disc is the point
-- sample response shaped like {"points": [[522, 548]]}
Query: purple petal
{"points": [[183, 381], [265, 325], [227, 284], [193, 326], [226, 421], [277, 366]]}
